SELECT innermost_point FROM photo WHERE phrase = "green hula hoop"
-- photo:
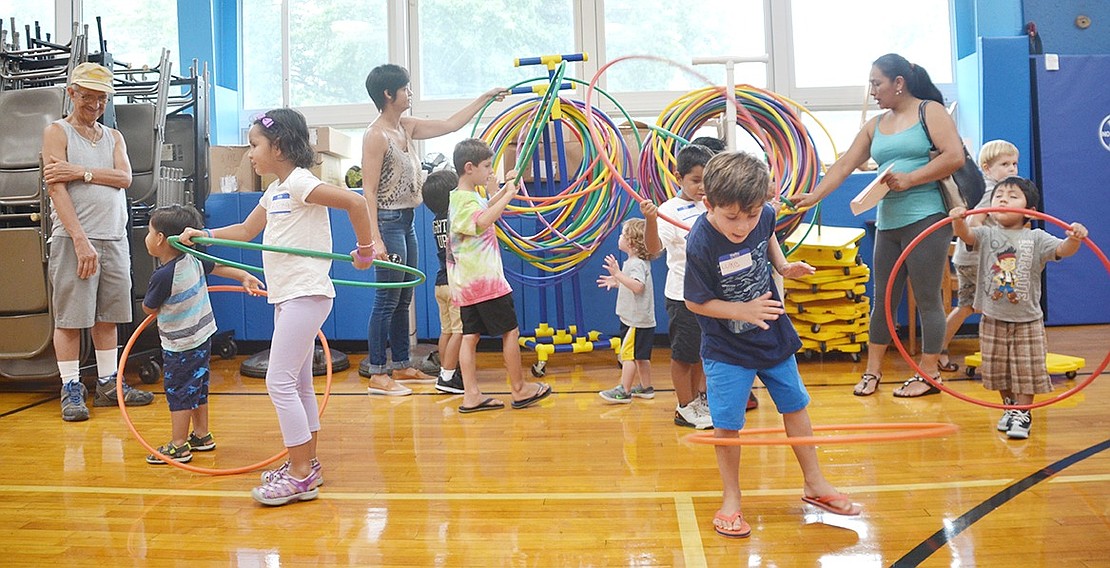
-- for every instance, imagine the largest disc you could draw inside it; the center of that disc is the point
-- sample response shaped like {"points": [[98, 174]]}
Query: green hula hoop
{"points": [[299, 252]]}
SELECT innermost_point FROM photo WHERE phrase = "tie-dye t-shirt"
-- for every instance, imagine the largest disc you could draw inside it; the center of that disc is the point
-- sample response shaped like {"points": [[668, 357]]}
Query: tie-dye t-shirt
{"points": [[474, 265]]}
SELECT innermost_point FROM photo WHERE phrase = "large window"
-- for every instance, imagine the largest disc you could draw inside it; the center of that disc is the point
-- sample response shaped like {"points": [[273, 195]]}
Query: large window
{"points": [[682, 31], [26, 13], [862, 30], [819, 52], [467, 47], [332, 45], [135, 31]]}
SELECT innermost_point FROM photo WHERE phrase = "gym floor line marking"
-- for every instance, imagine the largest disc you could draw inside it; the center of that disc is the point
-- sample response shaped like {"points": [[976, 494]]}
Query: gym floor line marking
{"points": [[953, 528], [532, 496], [693, 553]]}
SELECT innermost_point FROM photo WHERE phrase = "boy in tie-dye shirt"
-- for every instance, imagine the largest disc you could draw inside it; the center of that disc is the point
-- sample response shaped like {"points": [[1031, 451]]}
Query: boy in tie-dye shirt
{"points": [[477, 279]]}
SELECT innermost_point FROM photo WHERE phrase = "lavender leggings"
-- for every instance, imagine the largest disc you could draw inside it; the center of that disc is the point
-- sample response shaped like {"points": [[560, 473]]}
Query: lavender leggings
{"points": [[289, 372]]}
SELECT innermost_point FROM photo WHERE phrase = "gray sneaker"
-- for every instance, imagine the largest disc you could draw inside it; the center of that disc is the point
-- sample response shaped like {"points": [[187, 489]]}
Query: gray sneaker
{"points": [[617, 395], [73, 402], [639, 391], [106, 395]]}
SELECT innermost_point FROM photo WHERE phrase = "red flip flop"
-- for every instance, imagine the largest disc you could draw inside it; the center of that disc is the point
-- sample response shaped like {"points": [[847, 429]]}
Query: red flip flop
{"points": [[744, 531], [825, 502]]}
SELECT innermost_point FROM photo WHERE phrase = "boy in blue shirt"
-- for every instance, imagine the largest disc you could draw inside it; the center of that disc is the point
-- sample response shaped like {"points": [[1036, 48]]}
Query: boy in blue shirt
{"points": [[729, 256], [178, 294]]}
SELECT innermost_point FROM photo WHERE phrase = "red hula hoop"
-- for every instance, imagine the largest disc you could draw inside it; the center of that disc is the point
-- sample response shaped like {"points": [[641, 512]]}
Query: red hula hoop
{"points": [[928, 378], [195, 469]]}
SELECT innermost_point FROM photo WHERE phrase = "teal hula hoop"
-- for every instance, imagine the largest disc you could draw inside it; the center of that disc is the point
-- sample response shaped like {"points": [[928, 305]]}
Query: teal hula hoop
{"points": [[299, 252]]}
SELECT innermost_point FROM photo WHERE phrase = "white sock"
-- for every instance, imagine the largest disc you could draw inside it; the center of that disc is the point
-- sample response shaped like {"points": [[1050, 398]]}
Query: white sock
{"points": [[70, 371], [446, 374], [106, 364]]}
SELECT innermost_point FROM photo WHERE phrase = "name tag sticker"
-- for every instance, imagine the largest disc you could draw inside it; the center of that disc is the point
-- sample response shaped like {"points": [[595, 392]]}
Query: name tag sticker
{"points": [[735, 262]]}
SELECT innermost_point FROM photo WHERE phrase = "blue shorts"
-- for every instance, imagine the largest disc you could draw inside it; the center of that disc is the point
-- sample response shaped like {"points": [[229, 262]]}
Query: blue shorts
{"points": [[728, 387], [186, 376]]}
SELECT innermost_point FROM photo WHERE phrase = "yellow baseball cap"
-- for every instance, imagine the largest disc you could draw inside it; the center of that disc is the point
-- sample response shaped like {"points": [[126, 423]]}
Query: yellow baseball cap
{"points": [[92, 76]]}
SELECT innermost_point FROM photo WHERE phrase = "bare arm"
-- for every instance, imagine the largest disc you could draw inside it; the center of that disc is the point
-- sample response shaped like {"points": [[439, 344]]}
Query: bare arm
{"points": [[858, 153], [1074, 239], [54, 144], [757, 312], [250, 283], [616, 277], [423, 128], [374, 145], [779, 263], [351, 202], [651, 227], [960, 226], [497, 204], [244, 231]]}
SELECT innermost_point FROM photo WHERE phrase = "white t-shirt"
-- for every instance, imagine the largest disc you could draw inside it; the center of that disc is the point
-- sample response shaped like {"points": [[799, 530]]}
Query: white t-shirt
{"points": [[674, 241], [292, 222]]}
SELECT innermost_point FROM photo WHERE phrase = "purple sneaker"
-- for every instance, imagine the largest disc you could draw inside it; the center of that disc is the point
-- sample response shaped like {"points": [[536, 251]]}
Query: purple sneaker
{"points": [[270, 475], [285, 489]]}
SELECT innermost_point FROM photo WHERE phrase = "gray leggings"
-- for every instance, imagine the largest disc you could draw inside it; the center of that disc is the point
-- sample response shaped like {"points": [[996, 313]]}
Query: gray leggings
{"points": [[925, 264]]}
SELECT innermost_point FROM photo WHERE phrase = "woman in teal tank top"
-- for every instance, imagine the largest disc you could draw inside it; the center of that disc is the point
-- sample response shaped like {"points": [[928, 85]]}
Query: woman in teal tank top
{"points": [[896, 138]]}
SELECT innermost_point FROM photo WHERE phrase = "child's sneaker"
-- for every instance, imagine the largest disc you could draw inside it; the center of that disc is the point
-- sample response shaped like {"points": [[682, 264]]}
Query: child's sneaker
{"points": [[268, 476], [691, 416], [453, 386], [284, 488], [180, 454], [106, 395], [1004, 422], [201, 444], [640, 391], [73, 402], [1020, 423], [616, 395]]}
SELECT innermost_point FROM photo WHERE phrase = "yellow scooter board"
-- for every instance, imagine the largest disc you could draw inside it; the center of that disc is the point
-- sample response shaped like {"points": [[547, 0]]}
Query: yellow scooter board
{"points": [[1057, 364], [825, 246]]}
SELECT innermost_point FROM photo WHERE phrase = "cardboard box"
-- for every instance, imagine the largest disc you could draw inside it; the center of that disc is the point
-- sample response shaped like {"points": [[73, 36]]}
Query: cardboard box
{"points": [[331, 142], [329, 170], [230, 170]]}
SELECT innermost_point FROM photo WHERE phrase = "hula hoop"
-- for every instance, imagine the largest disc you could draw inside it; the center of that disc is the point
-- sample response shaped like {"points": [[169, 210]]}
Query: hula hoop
{"points": [[899, 431], [921, 373], [299, 252], [195, 469]]}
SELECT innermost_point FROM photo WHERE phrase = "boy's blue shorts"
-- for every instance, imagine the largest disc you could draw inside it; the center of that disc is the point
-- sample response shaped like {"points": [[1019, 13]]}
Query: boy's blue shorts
{"points": [[186, 376], [728, 387]]}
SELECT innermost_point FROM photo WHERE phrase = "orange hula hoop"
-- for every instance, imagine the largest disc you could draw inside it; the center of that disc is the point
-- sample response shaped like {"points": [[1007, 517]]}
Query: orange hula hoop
{"points": [[898, 431], [195, 469]]}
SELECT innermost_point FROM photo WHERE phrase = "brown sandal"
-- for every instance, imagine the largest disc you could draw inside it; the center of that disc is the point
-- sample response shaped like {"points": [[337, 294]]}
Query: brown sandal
{"points": [[865, 380]]}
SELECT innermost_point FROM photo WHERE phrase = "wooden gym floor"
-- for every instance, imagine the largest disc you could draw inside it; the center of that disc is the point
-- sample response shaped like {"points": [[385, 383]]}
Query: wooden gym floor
{"points": [[573, 481]]}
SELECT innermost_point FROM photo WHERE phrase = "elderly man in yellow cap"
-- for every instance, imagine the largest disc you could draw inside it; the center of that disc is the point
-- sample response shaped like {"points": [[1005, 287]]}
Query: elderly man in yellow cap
{"points": [[86, 174]]}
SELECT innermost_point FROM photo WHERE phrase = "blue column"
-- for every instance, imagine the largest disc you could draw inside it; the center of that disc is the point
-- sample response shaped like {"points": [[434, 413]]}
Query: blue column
{"points": [[208, 32]]}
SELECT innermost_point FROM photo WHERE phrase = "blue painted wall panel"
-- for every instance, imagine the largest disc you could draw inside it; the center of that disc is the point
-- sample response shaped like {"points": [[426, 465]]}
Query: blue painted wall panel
{"points": [[1074, 120]]}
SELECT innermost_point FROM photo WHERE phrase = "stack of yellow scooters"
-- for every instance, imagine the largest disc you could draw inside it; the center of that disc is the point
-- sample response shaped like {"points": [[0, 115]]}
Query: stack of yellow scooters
{"points": [[829, 308]]}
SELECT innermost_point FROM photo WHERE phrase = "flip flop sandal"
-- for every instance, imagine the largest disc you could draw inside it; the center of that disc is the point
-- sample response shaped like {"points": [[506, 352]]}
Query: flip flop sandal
{"points": [[951, 367], [744, 531], [825, 502], [917, 379], [545, 391], [867, 378], [489, 403]]}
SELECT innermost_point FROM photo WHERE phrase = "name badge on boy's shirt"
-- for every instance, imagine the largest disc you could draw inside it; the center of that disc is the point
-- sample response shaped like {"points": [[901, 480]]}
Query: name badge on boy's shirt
{"points": [[734, 263]]}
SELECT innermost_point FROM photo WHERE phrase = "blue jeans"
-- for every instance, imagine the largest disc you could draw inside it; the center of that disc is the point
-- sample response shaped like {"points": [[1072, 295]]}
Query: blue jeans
{"points": [[389, 320]]}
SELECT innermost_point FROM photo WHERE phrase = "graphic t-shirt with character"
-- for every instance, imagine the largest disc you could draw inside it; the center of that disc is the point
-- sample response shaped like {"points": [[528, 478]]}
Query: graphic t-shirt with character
{"points": [[1010, 266]]}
